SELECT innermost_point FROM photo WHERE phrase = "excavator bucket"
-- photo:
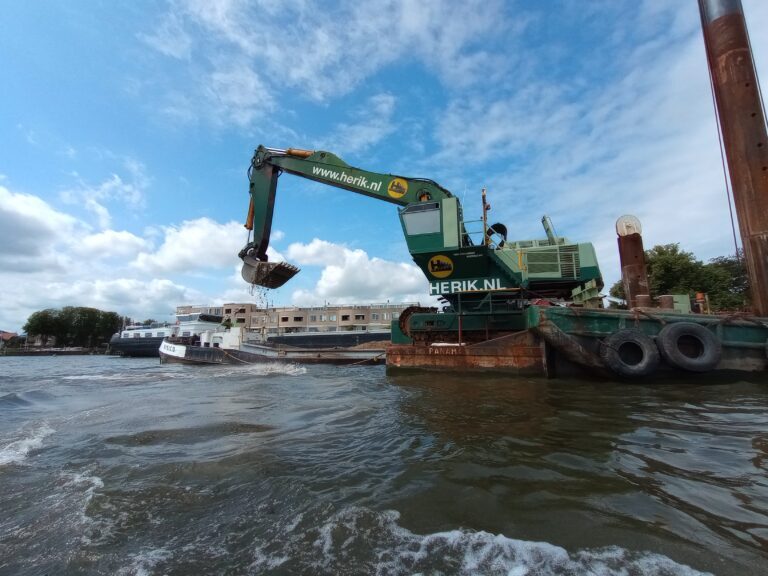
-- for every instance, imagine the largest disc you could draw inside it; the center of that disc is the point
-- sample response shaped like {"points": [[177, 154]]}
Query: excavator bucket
{"points": [[267, 274]]}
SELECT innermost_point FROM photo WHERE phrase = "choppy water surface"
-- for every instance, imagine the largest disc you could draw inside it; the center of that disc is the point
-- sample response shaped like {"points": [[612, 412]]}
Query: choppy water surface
{"points": [[124, 466]]}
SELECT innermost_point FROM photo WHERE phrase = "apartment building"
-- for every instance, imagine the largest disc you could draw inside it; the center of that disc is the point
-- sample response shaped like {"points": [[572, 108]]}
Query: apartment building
{"points": [[288, 320]]}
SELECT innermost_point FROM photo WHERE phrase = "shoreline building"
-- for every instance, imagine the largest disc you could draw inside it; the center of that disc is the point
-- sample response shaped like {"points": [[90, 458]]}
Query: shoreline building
{"points": [[277, 321]]}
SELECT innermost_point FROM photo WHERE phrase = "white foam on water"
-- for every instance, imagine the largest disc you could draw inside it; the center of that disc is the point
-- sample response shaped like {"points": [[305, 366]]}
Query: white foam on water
{"points": [[129, 376], [77, 490], [143, 563], [259, 369], [93, 483], [359, 535], [88, 377], [18, 450]]}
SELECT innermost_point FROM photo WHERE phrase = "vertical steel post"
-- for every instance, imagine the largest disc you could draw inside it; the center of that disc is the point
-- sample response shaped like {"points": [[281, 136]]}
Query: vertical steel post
{"points": [[633, 271], [634, 274], [745, 139]]}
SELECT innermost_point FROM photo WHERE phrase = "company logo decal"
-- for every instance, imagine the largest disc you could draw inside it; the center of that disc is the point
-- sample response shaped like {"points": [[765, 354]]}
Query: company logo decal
{"points": [[440, 266], [397, 188]]}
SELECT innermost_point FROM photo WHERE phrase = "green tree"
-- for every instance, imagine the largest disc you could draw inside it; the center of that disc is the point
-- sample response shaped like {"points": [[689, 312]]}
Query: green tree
{"points": [[675, 271], [107, 325], [44, 323], [672, 270], [727, 282], [74, 326]]}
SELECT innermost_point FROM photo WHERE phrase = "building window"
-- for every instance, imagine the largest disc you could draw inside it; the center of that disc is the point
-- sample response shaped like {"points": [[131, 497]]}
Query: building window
{"points": [[345, 317], [332, 317], [283, 318], [228, 311], [312, 318], [385, 316], [298, 318], [374, 316], [395, 315], [359, 316]]}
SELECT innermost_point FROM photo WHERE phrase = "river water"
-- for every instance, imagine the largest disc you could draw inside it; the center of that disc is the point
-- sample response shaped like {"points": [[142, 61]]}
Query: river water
{"points": [[124, 466]]}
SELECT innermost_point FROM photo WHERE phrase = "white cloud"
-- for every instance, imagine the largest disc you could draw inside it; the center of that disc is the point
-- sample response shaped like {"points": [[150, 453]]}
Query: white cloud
{"points": [[50, 259], [316, 253], [353, 276], [238, 93], [321, 54], [372, 123], [110, 244], [129, 296], [170, 38], [193, 246], [115, 189], [32, 230]]}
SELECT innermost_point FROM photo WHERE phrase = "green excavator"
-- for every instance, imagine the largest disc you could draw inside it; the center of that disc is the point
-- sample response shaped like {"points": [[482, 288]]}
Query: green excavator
{"points": [[483, 280]]}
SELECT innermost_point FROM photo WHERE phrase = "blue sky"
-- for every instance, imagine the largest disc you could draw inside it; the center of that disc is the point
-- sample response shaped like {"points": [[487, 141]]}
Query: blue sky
{"points": [[126, 130]]}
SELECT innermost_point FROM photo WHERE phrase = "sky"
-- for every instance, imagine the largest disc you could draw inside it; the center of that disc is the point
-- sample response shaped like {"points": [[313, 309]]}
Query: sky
{"points": [[126, 130]]}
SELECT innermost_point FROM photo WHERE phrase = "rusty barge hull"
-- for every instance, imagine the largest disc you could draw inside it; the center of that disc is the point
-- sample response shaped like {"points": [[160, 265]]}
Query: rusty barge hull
{"points": [[569, 341], [521, 353]]}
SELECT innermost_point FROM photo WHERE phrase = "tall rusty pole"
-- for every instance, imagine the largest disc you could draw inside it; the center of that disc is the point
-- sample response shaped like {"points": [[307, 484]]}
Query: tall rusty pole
{"points": [[745, 139], [634, 276]]}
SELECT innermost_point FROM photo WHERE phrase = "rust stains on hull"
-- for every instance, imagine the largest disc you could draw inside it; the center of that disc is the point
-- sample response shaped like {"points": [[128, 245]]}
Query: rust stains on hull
{"points": [[522, 353]]}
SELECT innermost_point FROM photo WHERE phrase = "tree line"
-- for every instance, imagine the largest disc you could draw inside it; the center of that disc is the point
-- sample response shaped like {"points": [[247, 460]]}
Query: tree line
{"points": [[672, 270], [73, 326]]}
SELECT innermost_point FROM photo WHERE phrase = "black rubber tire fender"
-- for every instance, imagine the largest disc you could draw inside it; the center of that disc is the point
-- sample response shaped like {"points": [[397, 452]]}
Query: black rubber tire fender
{"points": [[630, 354], [689, 346]]}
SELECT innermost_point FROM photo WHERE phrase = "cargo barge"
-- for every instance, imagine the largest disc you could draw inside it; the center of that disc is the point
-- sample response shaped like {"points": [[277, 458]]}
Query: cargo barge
{"points": [[642, 343], [230, 346]]}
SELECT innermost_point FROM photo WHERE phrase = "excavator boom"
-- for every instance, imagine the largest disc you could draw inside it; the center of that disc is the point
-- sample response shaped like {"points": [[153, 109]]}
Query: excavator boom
{"points": [[267, 165], [469, 269]]}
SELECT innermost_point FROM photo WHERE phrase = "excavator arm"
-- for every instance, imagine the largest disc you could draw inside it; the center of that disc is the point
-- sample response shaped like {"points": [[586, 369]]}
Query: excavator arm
{"points": [[267, 165], [467, 274]]}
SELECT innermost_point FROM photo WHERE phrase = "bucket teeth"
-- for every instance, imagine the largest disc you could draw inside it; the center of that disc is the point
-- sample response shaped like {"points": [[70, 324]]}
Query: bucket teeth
{"points": [[267, 274]]}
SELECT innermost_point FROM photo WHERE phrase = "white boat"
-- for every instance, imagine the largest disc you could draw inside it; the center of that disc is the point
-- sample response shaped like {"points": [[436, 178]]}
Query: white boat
{"points": [[230, 346], [142, 340]]}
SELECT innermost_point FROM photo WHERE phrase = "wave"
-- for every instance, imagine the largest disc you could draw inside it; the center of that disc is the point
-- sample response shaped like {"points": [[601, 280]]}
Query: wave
{"points": [[375, 543], [144, 563], [24, 399], [13, 400], [186, 435], [191, 372], [18, 450], [255, 369]]}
